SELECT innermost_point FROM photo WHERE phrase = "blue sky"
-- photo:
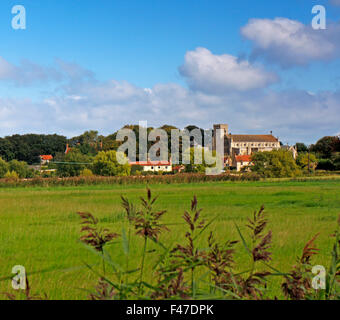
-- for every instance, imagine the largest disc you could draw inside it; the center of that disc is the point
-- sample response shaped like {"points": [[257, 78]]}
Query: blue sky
{"points": [[84, 64]]}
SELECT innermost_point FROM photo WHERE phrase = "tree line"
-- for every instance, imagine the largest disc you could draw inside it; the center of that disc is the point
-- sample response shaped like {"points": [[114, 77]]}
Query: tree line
{"points": [[90, 153]]}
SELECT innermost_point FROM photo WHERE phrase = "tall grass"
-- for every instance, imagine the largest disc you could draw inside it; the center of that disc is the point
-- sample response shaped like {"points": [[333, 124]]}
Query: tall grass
{"points": [[146, 180], [197, 265]]}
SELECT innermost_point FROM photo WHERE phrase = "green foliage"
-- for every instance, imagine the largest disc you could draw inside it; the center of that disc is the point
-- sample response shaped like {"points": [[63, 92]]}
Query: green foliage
{"points": [[86, 173], [275, 164], [205, 163], [336, 162], [106, 164], [179, 269], [12, 175], [3, 167], [29, 147], [316, 200], [326, 146], [304, 159], [325, 164], [21, 168], [301, 147], [74, 163]]}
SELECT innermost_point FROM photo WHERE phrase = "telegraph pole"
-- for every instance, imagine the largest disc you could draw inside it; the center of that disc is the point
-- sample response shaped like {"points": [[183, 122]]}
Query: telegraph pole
{"points": [[309, 160]]}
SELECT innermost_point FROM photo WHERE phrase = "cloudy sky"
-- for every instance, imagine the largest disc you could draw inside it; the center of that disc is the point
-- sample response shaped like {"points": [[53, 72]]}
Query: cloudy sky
{"points": [[256, 65]]}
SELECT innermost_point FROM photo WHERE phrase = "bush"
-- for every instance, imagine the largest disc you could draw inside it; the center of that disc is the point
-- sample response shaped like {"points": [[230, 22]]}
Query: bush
{"points": [[73, 164], [11, 175], [3, 168], [106, 164], [86, 173], [275, 164], [325, 164], [20, 167]]}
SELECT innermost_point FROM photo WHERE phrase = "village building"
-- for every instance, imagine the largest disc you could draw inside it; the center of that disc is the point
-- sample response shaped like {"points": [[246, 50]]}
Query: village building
{"points": [[45, 159], [243, 144], [153, 166], [241, 162], [291, 149]]}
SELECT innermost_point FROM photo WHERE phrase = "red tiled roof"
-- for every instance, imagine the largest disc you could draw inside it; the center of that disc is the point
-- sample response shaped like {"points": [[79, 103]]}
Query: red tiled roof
{"points": [[150, 163], [243, 158], [46, 157], [253, 138]]}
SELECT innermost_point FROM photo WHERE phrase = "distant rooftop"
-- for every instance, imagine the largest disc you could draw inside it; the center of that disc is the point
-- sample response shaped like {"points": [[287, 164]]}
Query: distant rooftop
{"points": [[243, 158], [253, 138]]}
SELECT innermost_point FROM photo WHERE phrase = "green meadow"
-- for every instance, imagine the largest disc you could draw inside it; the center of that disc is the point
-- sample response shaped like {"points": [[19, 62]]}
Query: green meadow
{"points": [[39, 227]]}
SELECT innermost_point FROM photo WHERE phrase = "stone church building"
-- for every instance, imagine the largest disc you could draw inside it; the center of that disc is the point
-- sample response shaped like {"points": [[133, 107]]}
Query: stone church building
{"points": [[244, 144]]}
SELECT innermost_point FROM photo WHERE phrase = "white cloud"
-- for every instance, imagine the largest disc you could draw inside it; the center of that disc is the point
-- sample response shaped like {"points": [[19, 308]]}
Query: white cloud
{"points": [[78, 105], [288, 42], [211, 73], [28, 73], [107, 106]]}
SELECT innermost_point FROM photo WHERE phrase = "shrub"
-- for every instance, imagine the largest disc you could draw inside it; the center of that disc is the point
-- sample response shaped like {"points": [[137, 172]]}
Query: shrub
{"points": [[21, 168], [106, 164], [276, 164], [86, 173], [72, 164], [11, 175], [3, 167], [325, 164], [304, 159]]}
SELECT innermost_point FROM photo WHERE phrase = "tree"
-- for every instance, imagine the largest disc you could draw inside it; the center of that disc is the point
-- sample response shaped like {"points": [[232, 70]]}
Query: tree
{"points": [[106, 164], [6, 149], [337, 162], [21, 168], [301, 147], [325, 164], [326, 146], [73, 164], [29, 147], [304, 159], [276, 163], [3, 168], [207, 161]]}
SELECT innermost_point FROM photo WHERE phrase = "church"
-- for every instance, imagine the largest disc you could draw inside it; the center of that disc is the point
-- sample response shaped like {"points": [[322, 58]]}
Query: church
{"points": [[243, 144]]}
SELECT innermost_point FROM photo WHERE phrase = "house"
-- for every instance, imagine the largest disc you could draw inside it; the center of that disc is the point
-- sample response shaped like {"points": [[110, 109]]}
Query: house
{"points": [[68, 149], [178, 168], [45, 159], [241, 162], [153, 166], [291, 149]]}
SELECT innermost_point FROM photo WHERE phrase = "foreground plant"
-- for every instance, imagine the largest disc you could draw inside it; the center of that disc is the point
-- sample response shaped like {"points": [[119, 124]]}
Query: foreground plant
{"points": [[25, 294], [93, 235], [298, 284], [148, 225], [182, 269]]}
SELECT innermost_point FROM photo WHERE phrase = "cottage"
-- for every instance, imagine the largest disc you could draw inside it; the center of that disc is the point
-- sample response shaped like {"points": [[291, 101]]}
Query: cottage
{"points": [[45, 159], [241, 162], [153, 166]]}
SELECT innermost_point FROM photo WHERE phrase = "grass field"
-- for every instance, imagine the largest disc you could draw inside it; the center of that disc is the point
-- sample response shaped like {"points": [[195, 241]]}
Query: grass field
{"points": [[39, 228]]}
